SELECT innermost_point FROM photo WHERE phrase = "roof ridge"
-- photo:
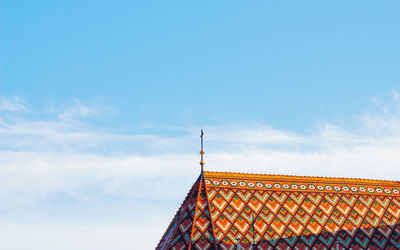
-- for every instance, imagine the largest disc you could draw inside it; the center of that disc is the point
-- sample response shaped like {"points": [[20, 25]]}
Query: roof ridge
{"points": [[299, 176], [201, 183], [209, 210]]}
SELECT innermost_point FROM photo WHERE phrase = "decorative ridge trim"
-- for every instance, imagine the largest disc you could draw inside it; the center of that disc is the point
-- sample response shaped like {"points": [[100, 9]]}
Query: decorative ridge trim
{"points": [[177, 212], [302, 187], [196, 208], [209, 210], [318, 179]]}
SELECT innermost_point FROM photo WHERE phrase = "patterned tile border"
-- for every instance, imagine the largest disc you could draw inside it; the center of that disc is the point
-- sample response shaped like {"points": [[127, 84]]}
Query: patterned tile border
{"points": [[362, 189]]}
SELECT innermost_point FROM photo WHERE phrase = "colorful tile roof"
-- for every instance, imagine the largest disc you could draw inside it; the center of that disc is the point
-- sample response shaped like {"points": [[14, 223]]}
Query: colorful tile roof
{"points": [[284, 212]]}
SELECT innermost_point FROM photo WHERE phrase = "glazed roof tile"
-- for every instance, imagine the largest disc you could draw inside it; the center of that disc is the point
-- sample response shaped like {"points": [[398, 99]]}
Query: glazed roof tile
{"points": [[281, 211]]}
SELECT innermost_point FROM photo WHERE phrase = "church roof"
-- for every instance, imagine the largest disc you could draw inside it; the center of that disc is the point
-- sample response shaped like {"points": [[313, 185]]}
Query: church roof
{"points": [[286, 211]]}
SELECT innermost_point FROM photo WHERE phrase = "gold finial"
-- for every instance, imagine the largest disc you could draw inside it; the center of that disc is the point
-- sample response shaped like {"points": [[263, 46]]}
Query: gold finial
{"points": [[201, 151]]}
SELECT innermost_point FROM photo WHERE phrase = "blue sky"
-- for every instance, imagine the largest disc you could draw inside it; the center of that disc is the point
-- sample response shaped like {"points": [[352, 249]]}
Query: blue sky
{"points": [[101, 105], [177, 63]]}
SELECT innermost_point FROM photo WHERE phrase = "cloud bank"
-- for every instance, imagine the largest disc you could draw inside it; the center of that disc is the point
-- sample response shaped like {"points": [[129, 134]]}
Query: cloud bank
{"points": [[62, 179]]}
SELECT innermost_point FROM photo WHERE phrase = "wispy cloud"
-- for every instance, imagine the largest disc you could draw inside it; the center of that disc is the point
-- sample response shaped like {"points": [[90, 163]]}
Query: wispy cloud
{"points": [[383, 117], [76, 109], [63, 174], [13, 104]]}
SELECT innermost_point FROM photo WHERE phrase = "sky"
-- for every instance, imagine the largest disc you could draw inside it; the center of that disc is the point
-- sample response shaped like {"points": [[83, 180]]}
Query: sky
{"points": [[101, 106]]}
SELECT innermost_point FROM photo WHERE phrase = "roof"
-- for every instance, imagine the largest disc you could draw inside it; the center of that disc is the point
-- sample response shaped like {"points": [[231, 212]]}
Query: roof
{"points": [[281, 211]]}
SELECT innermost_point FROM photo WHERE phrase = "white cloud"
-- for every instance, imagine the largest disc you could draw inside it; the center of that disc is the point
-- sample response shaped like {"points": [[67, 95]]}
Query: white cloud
{"points": [[383, 117], [75, 110], [13, 104], [67, 180], [76, 237]]}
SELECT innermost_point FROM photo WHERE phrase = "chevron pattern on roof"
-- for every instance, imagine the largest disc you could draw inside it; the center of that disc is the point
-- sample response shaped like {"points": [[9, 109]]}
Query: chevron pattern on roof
{"points": [[286, 212]]}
